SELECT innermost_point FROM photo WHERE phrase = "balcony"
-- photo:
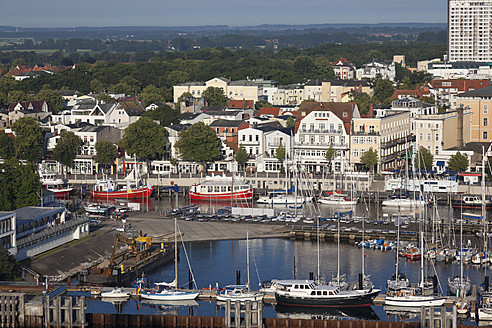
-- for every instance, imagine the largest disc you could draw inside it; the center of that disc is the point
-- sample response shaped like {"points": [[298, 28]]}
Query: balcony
{"points": [[324, 131], [366, 133]]}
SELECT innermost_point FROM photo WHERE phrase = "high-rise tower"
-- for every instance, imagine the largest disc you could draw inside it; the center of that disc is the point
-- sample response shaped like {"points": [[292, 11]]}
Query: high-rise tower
{"points": [[469, 30]]}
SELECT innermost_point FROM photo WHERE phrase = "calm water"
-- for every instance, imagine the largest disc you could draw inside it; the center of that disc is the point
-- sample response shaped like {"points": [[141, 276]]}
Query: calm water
{"points": [[217, 262]]}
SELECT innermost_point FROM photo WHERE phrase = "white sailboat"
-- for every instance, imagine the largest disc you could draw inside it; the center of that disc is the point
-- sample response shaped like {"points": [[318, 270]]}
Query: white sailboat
{"points": [[240, 293], [414, 297], [170, 291]]}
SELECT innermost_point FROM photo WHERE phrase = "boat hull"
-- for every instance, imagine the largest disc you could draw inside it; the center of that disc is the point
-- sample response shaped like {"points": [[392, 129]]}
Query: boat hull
{"points": [[125, 194], [363, 299], [170, 296], [415, 301], [246, 194], [240, 298]]}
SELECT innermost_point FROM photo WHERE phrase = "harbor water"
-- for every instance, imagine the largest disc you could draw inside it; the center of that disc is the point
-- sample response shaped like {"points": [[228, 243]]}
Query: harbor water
{"points": [[216, 263]]}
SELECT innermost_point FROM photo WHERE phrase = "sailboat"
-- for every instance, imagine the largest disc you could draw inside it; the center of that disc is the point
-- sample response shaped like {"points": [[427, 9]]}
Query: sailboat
{"points": [[316, 294], [414, 297], [240, 293], [458, 285], [398, 280], [170, 291]]}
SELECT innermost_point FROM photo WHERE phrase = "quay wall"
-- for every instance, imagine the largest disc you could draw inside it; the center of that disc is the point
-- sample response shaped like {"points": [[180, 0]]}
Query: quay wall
{"points": [[272, 181]]}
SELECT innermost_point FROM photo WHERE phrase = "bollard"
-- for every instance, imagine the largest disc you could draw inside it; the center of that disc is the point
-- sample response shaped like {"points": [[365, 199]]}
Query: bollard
{"points": [[247, 314], [455, 317], [228, 314], [254, 315], [237, 314], [431, 319]]}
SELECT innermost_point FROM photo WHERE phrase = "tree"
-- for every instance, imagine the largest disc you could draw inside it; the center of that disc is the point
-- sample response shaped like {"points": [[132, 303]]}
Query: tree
{"points": [[424, 159], [363, 101], [280, 154], [9, 267], [67, 148], [458, 162], [106, 152], [369, 158], [7, 149], [29, 140], [262, 104], [151, 95], [330, 154], [164, 114], [17, 96], [383, 90], [144, 138], [214, 97], [19, 185], [241, 156], [291, 122], [96, 86], [199, 143], [53, 98], [104, 97]]}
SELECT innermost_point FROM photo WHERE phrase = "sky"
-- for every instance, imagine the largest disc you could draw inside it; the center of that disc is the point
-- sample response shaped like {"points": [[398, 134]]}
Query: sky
{"points": [[101, 13]]}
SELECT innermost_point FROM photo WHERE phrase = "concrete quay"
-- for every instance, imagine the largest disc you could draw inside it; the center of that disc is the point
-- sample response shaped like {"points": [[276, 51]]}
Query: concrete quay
{"points": [[67, 260]]}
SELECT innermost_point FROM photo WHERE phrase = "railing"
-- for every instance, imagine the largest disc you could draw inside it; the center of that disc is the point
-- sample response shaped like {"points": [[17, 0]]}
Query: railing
{"points": [[45, 233]]}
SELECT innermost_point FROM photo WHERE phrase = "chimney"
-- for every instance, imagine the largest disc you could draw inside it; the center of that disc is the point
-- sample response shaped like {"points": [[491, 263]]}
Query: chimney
{"points": [[371, 111]]}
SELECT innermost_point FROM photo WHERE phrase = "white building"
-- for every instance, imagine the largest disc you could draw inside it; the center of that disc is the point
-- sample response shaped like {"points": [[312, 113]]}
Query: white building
{"points": [[469, 30], [387, 70]]}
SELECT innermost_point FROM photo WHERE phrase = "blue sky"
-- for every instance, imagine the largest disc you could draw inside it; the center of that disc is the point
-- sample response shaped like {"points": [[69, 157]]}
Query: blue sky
{"points": [[95, 13]]}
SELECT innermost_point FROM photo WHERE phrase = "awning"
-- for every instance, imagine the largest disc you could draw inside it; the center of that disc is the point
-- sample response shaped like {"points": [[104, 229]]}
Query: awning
{"points": [[440, 163]]}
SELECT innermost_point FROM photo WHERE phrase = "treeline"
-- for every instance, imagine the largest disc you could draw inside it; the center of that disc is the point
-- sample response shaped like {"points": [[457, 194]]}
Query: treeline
{"points": [[99, 72]]}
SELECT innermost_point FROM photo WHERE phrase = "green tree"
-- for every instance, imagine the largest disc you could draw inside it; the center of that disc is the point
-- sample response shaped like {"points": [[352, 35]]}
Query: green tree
{"points": [[151, 95], [329, 155], [144, 138], [67, 148], [16, 96], [19, 185], [363, 101], [241, 156], [53, 98], [424, 159], [106, 152], [291, 122], [262, 104], [458, 162], [164, 114], [214, 97], [383, 90], [7, 149], [199, 143], [29, 140], [96, 86], [280, 155], [9, 267], [369, 158]]}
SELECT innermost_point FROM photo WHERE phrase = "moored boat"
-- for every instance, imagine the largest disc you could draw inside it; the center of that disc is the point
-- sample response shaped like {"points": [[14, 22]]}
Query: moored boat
{"points": [[308, 293], [221, 188], [107, 188], [115, 293], [238, 293], [55, 184]]}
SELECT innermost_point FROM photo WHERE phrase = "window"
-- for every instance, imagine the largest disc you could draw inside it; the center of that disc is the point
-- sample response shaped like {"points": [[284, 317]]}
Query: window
{"points": [[485, 135], [257, 138], [421, 136], [437, 136], [428, 137], [485, 121], [485, 109]]}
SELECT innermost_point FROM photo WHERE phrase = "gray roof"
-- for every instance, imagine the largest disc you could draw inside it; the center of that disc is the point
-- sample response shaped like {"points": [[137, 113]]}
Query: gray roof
{"points": [[92, 128], [482, 92], [178, 127], [223, 112], [227, 123], [30, 213]]}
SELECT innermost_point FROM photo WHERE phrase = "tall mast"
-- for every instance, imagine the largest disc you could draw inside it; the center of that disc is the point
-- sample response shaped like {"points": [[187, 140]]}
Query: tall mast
{"points": [[317, 239], [247, 256], [176, 252]]}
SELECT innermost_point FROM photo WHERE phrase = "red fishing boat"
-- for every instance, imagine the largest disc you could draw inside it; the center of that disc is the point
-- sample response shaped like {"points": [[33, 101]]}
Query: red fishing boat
{"points": [[130, 188]]}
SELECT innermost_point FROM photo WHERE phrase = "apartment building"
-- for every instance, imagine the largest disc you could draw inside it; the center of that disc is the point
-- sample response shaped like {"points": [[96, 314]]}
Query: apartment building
{"points": [[388, 135], [469, 30], [339, 90], [480, 103], [236, 90], [444, 91]]}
